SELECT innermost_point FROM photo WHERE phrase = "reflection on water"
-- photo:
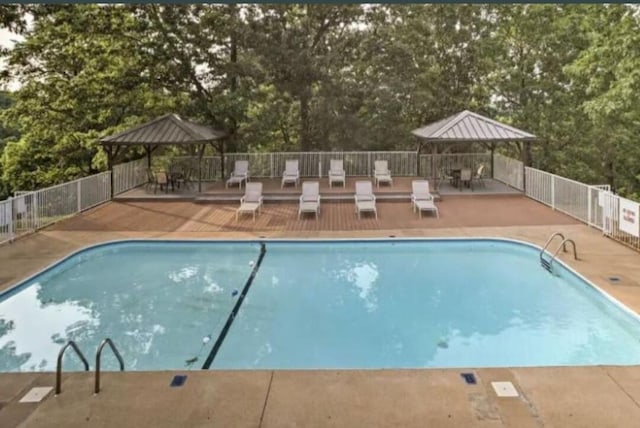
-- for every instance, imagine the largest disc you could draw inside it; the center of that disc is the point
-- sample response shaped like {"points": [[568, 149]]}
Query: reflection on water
{"points": [[36, 330], [363, 276]]}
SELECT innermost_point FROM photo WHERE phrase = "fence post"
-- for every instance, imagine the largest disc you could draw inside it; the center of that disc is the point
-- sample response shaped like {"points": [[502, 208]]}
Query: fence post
{"points": [[589, 206], [79, 195], [271, 174], [12, 231], [369, 173], [553, 192]]}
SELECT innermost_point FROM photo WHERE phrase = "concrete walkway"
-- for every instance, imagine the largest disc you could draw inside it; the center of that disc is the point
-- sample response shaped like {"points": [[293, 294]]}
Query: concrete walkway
{"points": [[549, 396]]}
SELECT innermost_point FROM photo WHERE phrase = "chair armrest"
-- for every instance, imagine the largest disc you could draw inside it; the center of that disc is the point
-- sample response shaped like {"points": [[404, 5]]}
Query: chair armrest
{"points": [[242, 200]]}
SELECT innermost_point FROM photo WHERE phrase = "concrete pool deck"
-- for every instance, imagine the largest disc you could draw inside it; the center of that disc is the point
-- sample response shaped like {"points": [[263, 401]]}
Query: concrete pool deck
{"points": [[549, 396]]}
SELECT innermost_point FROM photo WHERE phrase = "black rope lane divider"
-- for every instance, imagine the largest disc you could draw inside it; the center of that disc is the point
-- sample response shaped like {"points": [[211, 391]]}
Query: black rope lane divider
{"points": [[234, 311]]}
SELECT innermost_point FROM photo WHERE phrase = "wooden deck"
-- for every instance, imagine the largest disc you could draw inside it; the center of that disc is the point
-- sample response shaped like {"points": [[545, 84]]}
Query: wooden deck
{"points": [[459, 211], [272, 190]]}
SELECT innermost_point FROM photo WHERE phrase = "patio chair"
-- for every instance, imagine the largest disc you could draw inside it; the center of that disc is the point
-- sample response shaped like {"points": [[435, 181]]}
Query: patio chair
{"points": [[291, 173], [162, 180], [184, 178], [365, 199], [239, 174], [336, 172], [421, 198], [310, 198], [465, 178], [251, 201], [479, 176], [381, 172]]}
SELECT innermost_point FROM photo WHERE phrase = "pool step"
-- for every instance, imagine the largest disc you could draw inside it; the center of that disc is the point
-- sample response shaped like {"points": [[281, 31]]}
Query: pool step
{"points": [[545, 264]]}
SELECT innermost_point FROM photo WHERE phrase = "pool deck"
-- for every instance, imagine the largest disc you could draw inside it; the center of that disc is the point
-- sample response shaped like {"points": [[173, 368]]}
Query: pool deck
{"points": [[598, 396]]}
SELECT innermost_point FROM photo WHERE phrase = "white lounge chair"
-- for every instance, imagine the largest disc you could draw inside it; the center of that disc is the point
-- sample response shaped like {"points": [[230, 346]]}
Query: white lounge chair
{"points": [[421, 198], [365, 199], [381, 172], [336, 172], [310, 198], [240, 173], [251, 201], [291, 173]]}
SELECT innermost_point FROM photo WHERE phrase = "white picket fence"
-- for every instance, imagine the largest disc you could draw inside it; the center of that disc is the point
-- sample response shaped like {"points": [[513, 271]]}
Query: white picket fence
{"points": [[30, 211]]}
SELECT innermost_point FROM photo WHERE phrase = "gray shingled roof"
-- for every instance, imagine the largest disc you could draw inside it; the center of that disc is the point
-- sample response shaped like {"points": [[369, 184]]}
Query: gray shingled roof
{"points": [[167, 129], [470, 126]]}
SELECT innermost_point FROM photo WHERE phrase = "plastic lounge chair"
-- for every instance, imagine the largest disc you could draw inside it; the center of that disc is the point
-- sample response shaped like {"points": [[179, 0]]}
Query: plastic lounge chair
{"points": [[291, 173], [381, 172], [240, 173], [365, 199], [310, 198], [421, 198], [251, 201], [336, 172]]}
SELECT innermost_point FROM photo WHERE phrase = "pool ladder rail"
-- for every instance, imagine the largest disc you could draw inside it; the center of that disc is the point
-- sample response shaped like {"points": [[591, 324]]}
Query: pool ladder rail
{"points": [[78, 352], [548, 263]]}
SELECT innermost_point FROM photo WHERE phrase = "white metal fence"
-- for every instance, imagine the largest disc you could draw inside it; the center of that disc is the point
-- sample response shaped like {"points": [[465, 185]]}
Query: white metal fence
{"points": [[594, 205], [509, 171], [311, 164], [443, 163], [29, 211], [128, 175]]}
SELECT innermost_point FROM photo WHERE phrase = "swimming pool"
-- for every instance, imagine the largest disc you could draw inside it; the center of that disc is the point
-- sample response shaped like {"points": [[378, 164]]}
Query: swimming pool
{"points": [[314, 305]]}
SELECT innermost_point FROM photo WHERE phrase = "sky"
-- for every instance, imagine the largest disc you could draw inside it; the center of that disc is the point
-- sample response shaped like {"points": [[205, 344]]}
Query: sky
{"points": [[6, 40]]}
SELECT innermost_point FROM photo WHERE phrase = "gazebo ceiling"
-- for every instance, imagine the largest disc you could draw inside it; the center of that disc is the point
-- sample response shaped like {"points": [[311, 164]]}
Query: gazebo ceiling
{"points": [[468, 126], [164, 130]]}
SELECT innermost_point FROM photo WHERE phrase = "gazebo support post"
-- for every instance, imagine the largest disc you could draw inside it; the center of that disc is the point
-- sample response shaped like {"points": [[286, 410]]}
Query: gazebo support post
{"points": [[434, 152], [109, 150], [492, 147], [525, 163], [147, 149]]}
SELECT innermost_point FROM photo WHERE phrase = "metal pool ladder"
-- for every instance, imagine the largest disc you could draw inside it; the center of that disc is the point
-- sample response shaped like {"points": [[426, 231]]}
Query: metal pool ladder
{"points": [[548, 263], [75, 347], [105, 342], [59, 363]]}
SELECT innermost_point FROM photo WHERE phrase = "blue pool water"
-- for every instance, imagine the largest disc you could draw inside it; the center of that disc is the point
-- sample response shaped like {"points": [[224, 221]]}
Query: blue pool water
{"points": [[339, 304]]}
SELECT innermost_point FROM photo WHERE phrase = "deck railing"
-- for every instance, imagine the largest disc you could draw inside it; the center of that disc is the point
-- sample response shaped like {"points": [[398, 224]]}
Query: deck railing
{"points": [[509, 171], [594, 205], [30, 211], [128, 175], [443, 163], [311, 164]]}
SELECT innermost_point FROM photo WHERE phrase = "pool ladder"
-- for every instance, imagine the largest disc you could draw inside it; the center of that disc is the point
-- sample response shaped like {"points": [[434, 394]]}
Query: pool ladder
{"points": [[79, 353], [548, 263]]}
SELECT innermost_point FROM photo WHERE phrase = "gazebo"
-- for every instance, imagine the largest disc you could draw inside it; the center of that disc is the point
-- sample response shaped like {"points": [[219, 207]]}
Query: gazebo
{"points": [[470, 127], [166, 130]]}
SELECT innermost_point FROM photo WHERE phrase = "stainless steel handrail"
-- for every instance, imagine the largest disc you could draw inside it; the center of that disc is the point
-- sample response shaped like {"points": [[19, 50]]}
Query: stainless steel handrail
{"points": [[564, 242], [551, 239], [59, 363], [105, 342]]}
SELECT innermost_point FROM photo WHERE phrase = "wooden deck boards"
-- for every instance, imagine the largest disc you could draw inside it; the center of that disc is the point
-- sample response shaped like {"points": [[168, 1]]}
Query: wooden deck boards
{"points": [[480, 211]]}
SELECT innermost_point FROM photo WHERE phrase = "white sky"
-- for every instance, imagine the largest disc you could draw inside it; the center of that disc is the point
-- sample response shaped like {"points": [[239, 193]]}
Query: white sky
{"points": [[7, 39]]}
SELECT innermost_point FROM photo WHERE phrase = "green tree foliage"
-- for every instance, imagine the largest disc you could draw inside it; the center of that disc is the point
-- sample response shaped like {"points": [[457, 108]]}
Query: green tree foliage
{"points": [[323, 77]]}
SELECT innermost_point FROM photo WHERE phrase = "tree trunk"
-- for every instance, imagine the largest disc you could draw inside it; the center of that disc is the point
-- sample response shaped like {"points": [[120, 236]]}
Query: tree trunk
{"points": [[305, 137]]}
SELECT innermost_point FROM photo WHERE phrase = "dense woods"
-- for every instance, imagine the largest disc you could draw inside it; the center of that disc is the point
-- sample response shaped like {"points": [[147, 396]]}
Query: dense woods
{"points": [[320, 77]]}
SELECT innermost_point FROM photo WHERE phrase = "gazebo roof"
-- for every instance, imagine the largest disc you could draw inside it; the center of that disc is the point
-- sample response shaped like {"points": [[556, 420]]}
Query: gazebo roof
{"points": [[164, 130], [468, 126]]}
